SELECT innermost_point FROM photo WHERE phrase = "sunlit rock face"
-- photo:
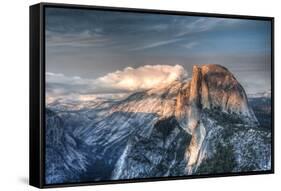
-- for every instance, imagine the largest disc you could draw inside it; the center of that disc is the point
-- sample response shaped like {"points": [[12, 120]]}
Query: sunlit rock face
{"points": [[221, 89], [213, 87], [200, 125]]}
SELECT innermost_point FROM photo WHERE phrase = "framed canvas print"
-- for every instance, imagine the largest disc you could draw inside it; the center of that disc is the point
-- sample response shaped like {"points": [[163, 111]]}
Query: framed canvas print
{"points": [[126, 95]]}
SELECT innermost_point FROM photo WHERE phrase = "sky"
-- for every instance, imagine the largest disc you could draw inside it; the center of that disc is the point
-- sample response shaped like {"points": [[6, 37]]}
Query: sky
{"points": [[96, 52]]}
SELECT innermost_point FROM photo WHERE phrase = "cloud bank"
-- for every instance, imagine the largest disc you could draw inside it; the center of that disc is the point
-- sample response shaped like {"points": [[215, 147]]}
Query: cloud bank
{"points": [[121, 81], [142, 78]]}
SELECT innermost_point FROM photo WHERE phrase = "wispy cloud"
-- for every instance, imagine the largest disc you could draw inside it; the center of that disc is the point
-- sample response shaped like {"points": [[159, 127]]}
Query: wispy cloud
{"points": [[156, 44], [186, 27], [85, 38], [158, 27], [190, 45], [203, 24]]}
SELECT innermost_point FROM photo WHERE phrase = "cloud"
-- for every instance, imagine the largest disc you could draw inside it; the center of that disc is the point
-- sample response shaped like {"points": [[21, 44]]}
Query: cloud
{"points": [[190, 45], [58, 78], [186, 27], [84, 38], [158, 27], [142, 78], [121, 81], [155, 44], [204, 24], [60, 86]]}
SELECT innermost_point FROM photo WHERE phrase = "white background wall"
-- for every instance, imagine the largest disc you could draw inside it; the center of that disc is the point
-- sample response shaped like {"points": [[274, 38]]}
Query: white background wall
{"points": [[14, 39]]}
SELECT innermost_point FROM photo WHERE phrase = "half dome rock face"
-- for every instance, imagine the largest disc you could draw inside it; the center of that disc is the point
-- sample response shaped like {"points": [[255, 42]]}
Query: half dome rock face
{"points": [[220, 89], [213, 87], [202, 125]]}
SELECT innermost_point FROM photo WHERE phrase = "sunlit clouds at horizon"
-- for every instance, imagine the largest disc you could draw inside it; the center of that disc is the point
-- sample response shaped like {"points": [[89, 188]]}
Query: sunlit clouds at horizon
{"points": [[123, 81]]}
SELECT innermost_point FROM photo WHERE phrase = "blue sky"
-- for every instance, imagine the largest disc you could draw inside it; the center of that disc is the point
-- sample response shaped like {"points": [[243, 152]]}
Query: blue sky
{"points": [[90, 44]]}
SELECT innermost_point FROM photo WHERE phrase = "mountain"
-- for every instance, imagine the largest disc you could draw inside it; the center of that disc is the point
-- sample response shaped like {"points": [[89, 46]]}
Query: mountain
{"points": [[66, 157], [265, 94], [261, 105], [198, 126]]}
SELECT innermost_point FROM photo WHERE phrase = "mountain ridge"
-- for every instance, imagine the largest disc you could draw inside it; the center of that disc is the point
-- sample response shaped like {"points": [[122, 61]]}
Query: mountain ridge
{"points": [[171, 131]]}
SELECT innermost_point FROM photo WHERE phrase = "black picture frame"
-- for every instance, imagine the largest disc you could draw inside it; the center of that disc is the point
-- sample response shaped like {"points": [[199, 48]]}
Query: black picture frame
{"points": [[37, 93]]}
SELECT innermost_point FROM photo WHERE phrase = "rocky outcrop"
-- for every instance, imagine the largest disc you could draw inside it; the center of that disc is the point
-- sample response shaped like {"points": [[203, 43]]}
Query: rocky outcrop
{"points": [[196, 129], [220, 89], [213, 87], [195, 98]]}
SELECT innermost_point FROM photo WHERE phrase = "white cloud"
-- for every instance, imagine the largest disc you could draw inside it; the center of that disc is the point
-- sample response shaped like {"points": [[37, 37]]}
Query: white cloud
{"points": [[121, 81], [60, 78], [142, 78]]}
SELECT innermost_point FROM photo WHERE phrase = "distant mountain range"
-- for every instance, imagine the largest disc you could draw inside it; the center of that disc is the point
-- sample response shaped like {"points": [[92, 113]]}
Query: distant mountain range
{"points": [[205, 125], [266, 94]]}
